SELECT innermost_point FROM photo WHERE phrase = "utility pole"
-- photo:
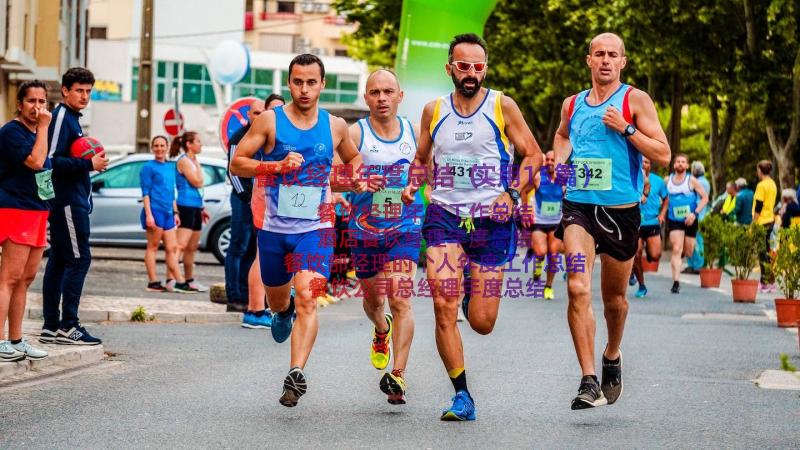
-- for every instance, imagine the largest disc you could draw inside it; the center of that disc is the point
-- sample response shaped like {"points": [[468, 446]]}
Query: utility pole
{"points": [[144, 93]]}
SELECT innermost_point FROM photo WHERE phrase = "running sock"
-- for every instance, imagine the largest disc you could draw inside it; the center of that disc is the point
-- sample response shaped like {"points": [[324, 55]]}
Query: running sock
{"points": [[190, 280], [398, 372], [458, 377], [15, 342], [258, 313]]}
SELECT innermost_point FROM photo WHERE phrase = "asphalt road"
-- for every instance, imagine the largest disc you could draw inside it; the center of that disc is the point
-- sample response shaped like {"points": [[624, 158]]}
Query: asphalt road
{"points": [[216, 386]]}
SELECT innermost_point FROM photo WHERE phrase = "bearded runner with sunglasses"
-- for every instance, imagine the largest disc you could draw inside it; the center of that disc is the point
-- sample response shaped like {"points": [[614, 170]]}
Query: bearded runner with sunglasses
{"points": [[470, 134], [604, 132]]}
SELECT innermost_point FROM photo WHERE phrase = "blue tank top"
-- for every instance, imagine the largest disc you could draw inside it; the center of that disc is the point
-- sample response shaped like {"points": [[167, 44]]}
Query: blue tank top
{"points": [[188, 195], [682, 198], [608, 167], [291, 204], [547, 198]]}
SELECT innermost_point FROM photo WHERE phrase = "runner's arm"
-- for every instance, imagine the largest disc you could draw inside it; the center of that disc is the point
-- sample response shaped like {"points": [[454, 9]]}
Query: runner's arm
{"points": [[664, 206], [525, 144], [703, 195], [424, 142], [649, 138], [242, 163], [193, 176], [561, 144]]}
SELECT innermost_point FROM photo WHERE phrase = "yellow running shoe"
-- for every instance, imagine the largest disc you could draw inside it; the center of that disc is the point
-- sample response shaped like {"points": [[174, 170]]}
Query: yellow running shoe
{"points": [[322, 301], [332, 299], [548, 293], [381, 352], [351, 274], [394, 386]]}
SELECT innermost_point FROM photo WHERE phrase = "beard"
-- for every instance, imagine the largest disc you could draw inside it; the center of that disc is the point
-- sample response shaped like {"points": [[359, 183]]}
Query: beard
{"points": [[467, 92]]}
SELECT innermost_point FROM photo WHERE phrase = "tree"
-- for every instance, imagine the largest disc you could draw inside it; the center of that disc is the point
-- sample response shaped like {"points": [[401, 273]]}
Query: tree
{"points": [[375, 40]]}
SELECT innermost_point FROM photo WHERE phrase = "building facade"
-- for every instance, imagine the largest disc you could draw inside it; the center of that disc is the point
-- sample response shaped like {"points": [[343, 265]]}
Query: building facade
{"points": [[40, 39]]}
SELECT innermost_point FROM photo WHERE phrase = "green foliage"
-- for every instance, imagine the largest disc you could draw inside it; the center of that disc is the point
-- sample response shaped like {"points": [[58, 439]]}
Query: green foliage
{"points": [[375, 40], [787, 263], [713, 228], [139, 314], [786, 365], [743, 244]]}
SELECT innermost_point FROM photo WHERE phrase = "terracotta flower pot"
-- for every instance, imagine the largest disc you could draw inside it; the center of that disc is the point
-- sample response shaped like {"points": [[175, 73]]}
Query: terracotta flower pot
{"points": [[744, 291], [709, 278], [788, 312], [648, 266]]}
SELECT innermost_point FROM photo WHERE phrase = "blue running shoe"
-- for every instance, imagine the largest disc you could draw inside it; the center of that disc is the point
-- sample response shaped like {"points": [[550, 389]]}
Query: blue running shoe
{"points": [[282, 322], [463, 408], [641, 292], [253, 321], [632, 280]]}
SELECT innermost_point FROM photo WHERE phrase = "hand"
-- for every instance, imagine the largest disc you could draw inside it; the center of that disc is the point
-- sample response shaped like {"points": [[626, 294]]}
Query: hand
{"points": [[43, 118], [205, 216], [409, 194], [150, 221], [375, 182], [644, 199], [177, 220], [690, 219], [526, 216], [498, 205], [359, 187], [291, 162], [613, 119], [338, 199], [660, 219], [100, 162]]}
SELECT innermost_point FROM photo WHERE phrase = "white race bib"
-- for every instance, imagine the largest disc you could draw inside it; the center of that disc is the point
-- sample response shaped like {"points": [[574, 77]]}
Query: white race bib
{"points": [[681, 212], [461, 167], [593, 174], [299, 202], [382, 201], [550, 209]]}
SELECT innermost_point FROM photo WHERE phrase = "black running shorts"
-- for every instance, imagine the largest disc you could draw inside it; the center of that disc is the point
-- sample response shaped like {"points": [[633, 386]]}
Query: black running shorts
{"points": [[615, 230]]}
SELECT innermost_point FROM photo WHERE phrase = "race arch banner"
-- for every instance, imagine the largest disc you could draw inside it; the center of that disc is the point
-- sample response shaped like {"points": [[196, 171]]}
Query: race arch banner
{"points": [[426, 29]]}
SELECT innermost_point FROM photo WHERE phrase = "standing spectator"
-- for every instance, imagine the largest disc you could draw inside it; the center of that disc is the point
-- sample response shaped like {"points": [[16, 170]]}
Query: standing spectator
{"points": [[25, 187], [744, 203], [696, 261], [160, 215], [189, 182], [764, 215], [729, 205], [70, 255], [790, 209]]}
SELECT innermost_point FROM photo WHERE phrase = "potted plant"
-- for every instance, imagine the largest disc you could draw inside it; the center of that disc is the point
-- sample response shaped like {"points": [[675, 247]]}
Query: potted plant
{"points": [[713, 231], [787, 271], [744, 245]]}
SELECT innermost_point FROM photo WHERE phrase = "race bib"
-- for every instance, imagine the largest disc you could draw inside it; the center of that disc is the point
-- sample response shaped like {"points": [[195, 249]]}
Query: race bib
{"points": [[681, 212], [550, 209], [384, 199], [593, 174], [461, 168], [44, 184], [299, 202]]}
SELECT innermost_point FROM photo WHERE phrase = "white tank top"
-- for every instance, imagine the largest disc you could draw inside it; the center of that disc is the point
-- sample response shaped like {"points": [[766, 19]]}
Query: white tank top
{"points": [[475, 151], [684, 188]]}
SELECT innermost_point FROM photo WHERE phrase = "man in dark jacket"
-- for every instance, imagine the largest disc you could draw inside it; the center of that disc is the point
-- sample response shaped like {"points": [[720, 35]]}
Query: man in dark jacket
{"points": [[70, 256]]}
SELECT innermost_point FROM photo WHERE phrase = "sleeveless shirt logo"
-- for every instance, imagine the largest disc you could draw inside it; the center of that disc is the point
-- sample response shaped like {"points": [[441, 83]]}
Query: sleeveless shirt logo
{"points": [[319, 149], [463, 136], [374, 149], [289, 148], [405, 148]]}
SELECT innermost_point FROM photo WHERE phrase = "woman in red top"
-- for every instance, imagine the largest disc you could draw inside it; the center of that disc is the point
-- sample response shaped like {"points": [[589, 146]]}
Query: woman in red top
{"points": [[25, 188]]}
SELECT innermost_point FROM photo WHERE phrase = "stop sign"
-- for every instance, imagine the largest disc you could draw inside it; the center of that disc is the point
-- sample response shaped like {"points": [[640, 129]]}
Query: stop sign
{"points": [[173, 123]]}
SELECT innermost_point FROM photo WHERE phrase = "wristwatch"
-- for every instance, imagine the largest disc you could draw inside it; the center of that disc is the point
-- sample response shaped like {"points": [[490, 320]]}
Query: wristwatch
{"points": [[514, 194], [629, 130]]}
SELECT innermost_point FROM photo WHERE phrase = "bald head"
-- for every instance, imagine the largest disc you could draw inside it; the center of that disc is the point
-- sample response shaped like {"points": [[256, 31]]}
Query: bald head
{"points": [[608, 39], [256, 108], [383, 95]]}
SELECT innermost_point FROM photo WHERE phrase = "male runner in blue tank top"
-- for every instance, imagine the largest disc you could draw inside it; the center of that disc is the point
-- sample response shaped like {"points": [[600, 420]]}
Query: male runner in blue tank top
{"points": [[298, 142], [469, 134], [385, 231], [604, 132]]}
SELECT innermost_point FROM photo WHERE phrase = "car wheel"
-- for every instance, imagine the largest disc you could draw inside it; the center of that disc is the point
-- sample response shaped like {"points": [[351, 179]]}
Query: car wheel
{"points": [[220, 240]]}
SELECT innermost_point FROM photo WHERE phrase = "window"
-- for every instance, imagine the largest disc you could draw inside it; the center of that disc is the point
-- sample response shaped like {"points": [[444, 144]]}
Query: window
{"points": [[256, 83], [98, 32], [286, 7], [338, 88], [197, 87], [340, 52], [122, 176], [166, 78], [213, 175]]}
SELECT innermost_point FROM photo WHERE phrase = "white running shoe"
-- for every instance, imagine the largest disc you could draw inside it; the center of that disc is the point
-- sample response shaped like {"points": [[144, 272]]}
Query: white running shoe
{"points": [[170, 286], [10, 354], [197, 286], [30, 351]]}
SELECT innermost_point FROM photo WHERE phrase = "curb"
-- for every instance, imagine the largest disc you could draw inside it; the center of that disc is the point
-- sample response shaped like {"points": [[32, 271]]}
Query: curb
{"points": [[92, 315], [61, 358]]}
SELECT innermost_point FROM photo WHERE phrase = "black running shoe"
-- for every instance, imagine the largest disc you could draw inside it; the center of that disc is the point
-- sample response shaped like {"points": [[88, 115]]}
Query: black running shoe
{"points": [[156, 286], [294, 386], [611, 383], [589, 395], [676, 287]]}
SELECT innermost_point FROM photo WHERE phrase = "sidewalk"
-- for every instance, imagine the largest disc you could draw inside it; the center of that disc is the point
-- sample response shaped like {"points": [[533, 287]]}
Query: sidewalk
{"points": [[60, 359], [118, 309]]}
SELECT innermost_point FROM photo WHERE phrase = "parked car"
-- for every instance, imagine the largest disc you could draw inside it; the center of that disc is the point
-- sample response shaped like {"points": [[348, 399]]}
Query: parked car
{"points": [[118, 204]]}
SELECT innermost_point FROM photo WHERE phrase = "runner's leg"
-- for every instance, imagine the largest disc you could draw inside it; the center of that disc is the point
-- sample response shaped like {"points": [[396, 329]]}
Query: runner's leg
{"points": [[579, 289]]}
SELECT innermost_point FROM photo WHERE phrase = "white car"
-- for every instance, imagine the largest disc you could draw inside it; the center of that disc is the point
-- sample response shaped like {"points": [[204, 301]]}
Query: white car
{"points": [[117, 201]]}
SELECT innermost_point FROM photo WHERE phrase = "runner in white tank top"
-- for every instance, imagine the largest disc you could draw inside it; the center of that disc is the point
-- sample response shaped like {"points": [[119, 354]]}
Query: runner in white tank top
{"points": [[468, 136]]}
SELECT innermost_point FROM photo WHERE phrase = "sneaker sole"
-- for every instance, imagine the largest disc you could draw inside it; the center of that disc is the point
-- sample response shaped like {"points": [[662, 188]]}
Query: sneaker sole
{"points": [[69, 342], [47, 340], [13, 358], [155, 290], [578, 404], [255, 327], [450, 416], [395, 393], [291, 392], [36, 358]]}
